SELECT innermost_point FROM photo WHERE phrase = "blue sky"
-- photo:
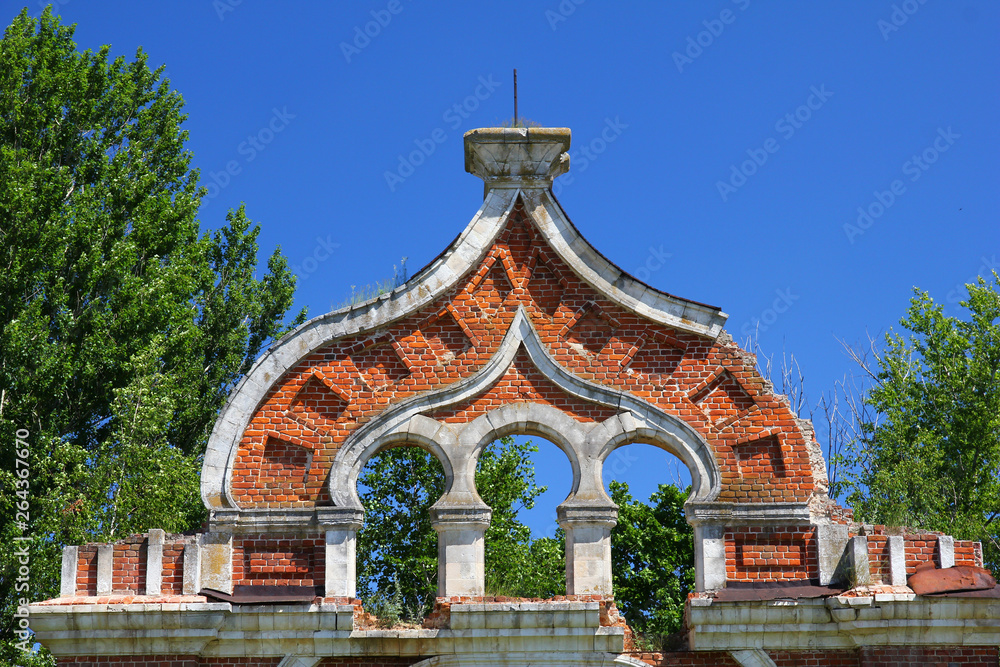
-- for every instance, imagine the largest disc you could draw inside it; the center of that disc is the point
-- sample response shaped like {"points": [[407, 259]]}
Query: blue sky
{"points": [[746, 137]]}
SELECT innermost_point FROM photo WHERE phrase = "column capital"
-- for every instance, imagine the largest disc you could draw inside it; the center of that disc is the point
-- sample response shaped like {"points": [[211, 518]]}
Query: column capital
{"points": [[340, 518], [579, 515], [460, 515]]}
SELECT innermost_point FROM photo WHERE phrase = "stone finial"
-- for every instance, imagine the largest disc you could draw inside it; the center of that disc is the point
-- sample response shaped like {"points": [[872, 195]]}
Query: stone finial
{"points": [[517, 156]]}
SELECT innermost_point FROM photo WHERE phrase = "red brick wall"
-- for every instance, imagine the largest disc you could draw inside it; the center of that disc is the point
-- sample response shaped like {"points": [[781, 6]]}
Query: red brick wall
{"points": [[687, 659], [946, 655], [771, 553], [276, 560], [172, 582], [709, 385], [965, 552], [86, 570], [814, 658], [878, 558], [920, 548], [128, 571], [133, 661]]}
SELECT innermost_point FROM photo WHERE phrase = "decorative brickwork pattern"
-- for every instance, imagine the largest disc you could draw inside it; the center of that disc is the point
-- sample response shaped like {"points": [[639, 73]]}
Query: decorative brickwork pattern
{"points": [[135, 661], [711, 385]]}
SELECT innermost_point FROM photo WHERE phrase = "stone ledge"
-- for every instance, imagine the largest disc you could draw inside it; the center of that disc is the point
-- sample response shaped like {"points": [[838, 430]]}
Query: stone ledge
{"points": [[843, 622]]}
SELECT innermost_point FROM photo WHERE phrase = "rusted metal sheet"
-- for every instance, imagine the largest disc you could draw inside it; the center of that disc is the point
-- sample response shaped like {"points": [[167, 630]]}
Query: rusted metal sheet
{"points": [[739, 591], [931, 580], [264, 594]]}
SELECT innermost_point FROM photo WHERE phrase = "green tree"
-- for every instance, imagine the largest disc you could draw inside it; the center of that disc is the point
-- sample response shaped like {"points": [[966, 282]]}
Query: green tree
{"points": [[397, 548], [652, 554], [122, 326], [927, 453]]}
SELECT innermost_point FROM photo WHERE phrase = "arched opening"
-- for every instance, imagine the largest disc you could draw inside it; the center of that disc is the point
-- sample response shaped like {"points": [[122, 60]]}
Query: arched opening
{"points": [[652, 546], [523, 478], [397, 547]]}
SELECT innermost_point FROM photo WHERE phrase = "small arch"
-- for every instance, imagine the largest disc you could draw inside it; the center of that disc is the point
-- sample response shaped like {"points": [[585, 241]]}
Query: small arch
{"points": [[420, 431], [538, 419], [668, 434]]}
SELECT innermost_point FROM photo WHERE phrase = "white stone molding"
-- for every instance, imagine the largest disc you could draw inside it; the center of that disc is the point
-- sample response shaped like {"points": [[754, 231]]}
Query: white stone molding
{"points": [[946, 550], [897, 560], [191, 583], [105, 568], [299, 661], [860, 564], [841, 622], [67, 581], [752, 658], [341, 557], [154, 561], [831, 544], [709, 557], [216, 562]]}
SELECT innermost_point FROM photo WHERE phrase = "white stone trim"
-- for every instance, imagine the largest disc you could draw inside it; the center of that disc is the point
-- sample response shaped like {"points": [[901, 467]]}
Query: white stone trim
{"points": [[154, 561], [897, 560], [105, 568], [844, 623], [946, 550], [299, 661], [67, 580], [191, 583], [752, 658]]}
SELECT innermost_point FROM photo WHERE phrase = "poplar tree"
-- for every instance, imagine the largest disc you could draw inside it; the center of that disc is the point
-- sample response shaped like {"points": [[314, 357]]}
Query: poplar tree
{"points": [[122, 325]]}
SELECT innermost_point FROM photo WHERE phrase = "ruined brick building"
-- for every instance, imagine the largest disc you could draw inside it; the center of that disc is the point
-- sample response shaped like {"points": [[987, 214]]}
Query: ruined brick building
{"points": [[519, 327]]}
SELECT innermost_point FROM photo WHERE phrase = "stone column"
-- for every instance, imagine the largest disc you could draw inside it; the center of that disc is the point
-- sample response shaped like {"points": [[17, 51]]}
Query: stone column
{"points": [[341, 526], [461, 550], [588, 547]]}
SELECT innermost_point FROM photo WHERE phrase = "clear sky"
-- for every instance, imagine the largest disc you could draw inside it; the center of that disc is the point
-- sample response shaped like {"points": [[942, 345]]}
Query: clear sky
{"points": [[721, 150]]}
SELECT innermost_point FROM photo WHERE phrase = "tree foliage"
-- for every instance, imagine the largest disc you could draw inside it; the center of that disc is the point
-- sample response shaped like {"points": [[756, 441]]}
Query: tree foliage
{"points": [[122, 326], [927, 455], [652, 559], [397, 548]]}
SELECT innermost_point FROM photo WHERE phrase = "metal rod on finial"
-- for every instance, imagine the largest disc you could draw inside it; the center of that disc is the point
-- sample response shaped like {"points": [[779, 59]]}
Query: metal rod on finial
{"points": [[515, 97]]}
